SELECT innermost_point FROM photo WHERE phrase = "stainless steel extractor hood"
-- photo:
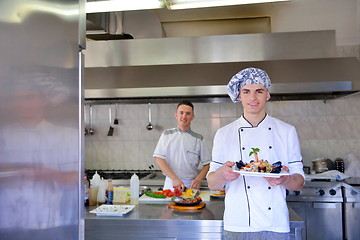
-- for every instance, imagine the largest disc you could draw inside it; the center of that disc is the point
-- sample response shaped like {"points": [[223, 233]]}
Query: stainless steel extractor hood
{"points": [[299, 63]]}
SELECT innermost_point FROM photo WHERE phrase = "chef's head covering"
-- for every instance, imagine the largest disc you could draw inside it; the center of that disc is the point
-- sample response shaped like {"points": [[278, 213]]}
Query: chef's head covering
{"points": [[52, 89], [245, 77]]}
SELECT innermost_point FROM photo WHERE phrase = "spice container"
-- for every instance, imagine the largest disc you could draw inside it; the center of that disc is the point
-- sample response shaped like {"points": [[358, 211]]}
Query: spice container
{"points": [[339, 165]]}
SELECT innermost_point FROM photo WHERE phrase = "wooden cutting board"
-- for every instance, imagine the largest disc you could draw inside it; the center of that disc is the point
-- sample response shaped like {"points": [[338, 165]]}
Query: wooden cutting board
{"points": [[173, 205]]}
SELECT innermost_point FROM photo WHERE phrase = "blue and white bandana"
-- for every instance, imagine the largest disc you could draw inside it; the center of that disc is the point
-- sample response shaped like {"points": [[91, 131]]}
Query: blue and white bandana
{"points": [[245, 77]]}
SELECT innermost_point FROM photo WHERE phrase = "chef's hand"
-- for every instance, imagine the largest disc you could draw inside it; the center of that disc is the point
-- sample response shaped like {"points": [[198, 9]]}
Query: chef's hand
{"points": [[277, 181], [195, 184], [178, 184], [226, 172]]}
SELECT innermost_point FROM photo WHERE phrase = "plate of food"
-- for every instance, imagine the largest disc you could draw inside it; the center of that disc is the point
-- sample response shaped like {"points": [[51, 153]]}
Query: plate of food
{"points": [[262, 174], [187, 202], [112, 210], [260, 167], [218, 194]]}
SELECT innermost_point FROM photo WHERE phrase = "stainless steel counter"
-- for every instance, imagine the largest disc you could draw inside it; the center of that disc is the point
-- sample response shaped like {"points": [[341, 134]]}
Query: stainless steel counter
{"points": [[157, 221]]}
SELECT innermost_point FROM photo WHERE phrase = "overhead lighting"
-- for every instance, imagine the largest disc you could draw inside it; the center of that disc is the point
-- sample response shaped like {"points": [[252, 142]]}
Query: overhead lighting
{"points": [[185, 4], [122, 5]]}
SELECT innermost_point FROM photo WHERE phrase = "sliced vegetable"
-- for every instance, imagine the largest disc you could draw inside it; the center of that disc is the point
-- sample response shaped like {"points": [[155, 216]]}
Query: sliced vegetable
{"points": [[154, 194]]}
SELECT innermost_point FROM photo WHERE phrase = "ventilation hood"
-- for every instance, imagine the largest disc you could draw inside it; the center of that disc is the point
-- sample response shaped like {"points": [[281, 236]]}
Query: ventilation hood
{"points": [[300, 65]]}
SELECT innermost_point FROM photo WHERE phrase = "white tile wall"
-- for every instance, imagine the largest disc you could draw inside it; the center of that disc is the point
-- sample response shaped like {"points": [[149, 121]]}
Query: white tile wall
{"points": [[327, 129]]}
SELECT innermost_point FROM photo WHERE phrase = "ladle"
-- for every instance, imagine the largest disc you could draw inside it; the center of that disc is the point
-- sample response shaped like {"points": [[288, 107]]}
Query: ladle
{"points": [[91, 130], [149, 126], [85, 121]]}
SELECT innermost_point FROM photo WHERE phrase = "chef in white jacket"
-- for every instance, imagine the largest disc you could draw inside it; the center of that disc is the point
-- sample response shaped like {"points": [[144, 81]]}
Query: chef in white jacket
{"points": [[255, 207]]}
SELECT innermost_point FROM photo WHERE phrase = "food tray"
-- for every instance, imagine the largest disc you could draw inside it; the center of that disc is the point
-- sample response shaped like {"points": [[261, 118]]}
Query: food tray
{"points": [[112, 210], [261, 174]]}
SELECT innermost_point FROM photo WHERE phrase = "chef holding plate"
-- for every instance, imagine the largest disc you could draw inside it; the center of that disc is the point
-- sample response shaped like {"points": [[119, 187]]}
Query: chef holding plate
{"points": [[255, 206]]}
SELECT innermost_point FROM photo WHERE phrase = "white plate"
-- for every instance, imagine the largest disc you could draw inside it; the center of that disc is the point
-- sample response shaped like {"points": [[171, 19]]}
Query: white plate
{"points": [[112, 210], [260, 174]]}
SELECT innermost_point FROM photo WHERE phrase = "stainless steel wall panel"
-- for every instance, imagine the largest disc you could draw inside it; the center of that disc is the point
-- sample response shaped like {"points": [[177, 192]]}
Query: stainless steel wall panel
{"points": [[39, 120]]}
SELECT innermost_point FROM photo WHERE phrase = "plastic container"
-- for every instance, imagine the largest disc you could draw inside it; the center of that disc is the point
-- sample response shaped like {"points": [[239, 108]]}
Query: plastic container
{"points": [[121, 195], [109, 192], [134, 189]]}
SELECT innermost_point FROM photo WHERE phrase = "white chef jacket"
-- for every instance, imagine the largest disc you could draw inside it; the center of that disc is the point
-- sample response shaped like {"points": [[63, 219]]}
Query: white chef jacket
{"points": [[251, 204], [184, 152]]}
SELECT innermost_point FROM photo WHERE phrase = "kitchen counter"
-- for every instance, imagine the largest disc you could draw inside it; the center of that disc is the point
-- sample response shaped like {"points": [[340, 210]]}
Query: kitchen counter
{"points": [[157, 221]]}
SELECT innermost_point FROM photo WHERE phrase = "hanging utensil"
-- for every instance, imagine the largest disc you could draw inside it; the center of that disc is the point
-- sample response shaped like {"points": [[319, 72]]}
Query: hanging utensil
{"points": [[85, 121], [149, 126], [111, 129], [91, 130], [116, 120]]}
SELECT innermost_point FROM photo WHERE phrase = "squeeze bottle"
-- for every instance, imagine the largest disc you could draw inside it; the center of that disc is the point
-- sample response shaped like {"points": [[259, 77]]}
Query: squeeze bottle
{"points": [[134, 189]]}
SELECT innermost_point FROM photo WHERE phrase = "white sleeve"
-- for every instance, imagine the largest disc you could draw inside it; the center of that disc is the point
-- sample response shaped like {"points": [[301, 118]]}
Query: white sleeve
{"points": [[217, 153], [295, 158], [205, 157], [160, 150]]}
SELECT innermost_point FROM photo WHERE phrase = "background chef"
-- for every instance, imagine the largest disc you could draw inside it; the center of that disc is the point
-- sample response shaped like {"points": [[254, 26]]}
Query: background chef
{"points": [[180, 151], [255, 207]]}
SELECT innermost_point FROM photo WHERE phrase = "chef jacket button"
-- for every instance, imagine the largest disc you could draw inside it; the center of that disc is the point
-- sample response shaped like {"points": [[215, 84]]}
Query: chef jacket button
{"points": [[269, 128], [270, 147], [243, 148], [269, 208], [242, 130], [269, 187], [248, 187]]}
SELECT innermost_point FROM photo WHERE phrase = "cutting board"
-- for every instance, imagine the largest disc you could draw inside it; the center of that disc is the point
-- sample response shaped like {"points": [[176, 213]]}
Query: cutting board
{"points": [[205, 196], [173, 205]]}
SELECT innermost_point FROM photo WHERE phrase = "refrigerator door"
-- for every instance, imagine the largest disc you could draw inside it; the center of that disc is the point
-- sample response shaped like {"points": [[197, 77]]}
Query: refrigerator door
{"points": [[40, 140]]}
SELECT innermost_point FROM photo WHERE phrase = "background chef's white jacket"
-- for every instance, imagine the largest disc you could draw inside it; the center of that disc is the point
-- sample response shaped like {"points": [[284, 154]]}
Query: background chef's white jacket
{"points": [[184, 152], [251, 204]]}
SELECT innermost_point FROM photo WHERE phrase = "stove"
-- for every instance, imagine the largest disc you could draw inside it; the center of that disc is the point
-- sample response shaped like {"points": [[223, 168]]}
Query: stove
{"points": [[320, 204], [320, 191]]}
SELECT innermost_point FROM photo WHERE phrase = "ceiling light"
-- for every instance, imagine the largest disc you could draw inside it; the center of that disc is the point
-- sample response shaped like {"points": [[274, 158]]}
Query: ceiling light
{"points": [[185, 4], [122, 5]]}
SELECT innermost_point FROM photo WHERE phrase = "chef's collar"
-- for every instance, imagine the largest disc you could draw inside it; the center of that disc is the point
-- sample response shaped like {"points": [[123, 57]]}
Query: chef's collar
{"points": [[250, 125], [187, 130]]}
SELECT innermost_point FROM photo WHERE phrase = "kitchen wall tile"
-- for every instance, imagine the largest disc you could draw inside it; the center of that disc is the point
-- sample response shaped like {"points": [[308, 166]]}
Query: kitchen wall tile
{"points": [[130, 111], [317, 127], [88, 158], [301, 125], [336, 148], [130, 155], [352, 145], [131, 130], [352, 105], [280, 109], [100, 153], [146, 150], [335, 127], [298, 108], [352, 126], [228, 110], [100, 112], [335, 107], [161, 111], [315, 149], [115, 153], [316, 108]]}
